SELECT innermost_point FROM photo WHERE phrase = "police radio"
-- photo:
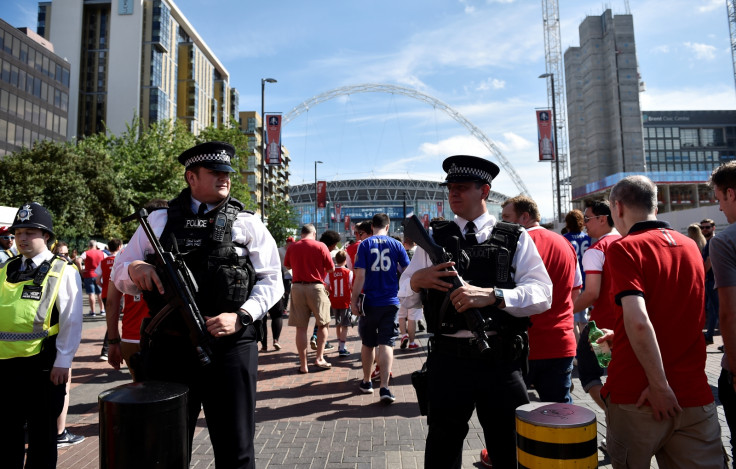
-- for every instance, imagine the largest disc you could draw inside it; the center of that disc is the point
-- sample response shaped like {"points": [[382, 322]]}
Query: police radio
{"points": [[218, 233]]}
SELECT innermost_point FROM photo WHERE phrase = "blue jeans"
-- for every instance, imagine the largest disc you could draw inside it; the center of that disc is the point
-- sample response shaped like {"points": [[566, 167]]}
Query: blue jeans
{"points": [[711, 309], [551, 378]]}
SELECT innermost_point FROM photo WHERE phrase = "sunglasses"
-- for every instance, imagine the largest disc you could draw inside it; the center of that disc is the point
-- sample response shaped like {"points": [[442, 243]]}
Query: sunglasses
{"points": [[706, 227], [7, 237], [587, 219]]}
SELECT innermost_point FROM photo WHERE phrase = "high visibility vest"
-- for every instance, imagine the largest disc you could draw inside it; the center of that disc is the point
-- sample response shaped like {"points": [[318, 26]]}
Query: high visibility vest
{"points": [[25, 311]]}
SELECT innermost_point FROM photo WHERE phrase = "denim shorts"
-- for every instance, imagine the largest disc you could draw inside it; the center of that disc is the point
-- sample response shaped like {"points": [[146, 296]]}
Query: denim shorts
{"points": [[379, 325], [91, 287], [589, 371]]}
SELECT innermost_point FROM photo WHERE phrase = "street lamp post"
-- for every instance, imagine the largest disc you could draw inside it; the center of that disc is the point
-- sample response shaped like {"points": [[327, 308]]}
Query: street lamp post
{"points": [[263, 145], [557, 143], [316, 203]]}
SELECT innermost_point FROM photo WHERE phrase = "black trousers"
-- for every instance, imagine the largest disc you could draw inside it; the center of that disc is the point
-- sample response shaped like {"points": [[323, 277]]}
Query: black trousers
{"points": [[460, 383], [27, 395], [226, 389]]}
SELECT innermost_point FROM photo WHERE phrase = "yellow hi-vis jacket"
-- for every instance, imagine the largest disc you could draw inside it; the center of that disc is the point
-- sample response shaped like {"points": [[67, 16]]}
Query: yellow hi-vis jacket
{"points": [[25, 310]]}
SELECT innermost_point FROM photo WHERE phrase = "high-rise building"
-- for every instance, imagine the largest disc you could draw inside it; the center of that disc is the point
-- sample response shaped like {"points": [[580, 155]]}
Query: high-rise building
{"points": [[604, 116], [611, 138], [276, 176], [34, 90], [135, 58]]}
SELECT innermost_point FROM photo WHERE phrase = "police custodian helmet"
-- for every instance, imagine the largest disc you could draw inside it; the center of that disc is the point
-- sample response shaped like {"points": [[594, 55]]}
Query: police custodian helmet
{"points": [[211, 155], [33, 215], [465, 168]]}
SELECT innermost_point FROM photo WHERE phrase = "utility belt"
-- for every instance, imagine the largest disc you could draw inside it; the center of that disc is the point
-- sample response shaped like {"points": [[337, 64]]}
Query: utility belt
{"points": [[503, 348]]}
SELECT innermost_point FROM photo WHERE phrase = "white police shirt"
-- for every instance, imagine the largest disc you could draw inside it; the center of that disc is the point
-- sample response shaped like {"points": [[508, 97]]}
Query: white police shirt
{"points": [[248, 231], [532, 294]]}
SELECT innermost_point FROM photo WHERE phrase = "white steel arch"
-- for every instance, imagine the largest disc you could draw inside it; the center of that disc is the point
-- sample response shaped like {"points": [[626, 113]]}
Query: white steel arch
{"points": [[412, 93]]}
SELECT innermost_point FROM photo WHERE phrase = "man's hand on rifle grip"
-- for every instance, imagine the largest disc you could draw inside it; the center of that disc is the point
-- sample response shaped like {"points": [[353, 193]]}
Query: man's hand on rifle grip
{"points": [[223, 324], [468, 296], [144, 276], [432, 277]]}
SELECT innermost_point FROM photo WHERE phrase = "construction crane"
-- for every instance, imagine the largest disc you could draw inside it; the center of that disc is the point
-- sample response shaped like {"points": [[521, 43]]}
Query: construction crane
{"points": [[731, 9], [556, 100]]}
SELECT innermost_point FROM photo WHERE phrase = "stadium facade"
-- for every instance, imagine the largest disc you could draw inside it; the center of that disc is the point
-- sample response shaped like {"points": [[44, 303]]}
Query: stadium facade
{"points": [[354, 200]]}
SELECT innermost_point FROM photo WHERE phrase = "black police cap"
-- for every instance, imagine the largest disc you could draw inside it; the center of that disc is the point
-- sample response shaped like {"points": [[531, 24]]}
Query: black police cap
{"points": [[211, 155], [33, 215], [464, 168]]}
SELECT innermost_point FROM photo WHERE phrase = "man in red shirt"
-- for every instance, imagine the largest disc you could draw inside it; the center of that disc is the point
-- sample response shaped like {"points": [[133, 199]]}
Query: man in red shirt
{"points": [[309, 261], [103, 271], [599, 225], [658, 401], [92, 258], [551, 335], [362, 231]]}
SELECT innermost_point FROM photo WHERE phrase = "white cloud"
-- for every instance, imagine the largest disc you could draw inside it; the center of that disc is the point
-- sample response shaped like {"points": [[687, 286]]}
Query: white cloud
{"points": [[710, 5], [468, 8], [706, 97], [662, 49], [491, 83], [702, 51]]}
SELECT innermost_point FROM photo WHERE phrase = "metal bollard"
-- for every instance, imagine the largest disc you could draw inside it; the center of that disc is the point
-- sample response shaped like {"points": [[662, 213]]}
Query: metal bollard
{"points": [[144, 425], [551, 435]]}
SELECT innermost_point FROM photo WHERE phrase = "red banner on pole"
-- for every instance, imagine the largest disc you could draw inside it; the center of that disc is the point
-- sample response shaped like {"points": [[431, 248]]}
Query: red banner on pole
{"points": [[337, 212], [321, 194], [347, 223], [440, 211], [273, 139], [425, 221], [545, 135]]}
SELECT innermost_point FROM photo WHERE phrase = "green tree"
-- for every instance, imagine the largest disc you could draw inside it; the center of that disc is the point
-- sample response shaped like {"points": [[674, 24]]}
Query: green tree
{"points": [[281, 220], [231, 134], [77, 184]]}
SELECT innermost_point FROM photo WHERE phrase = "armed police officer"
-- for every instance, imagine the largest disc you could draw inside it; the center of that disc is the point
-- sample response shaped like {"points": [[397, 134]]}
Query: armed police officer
{"points": [[506, 280], [236, 265], [40, 331]]}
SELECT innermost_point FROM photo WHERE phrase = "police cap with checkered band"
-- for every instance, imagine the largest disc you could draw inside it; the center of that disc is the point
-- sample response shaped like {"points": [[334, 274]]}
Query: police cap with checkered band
{"points": [[33, 215], [466, 168], [211, 155]]}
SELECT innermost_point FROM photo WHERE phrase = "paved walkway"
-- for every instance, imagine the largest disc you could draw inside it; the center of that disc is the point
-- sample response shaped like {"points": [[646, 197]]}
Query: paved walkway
{"points": [[309, 421]]}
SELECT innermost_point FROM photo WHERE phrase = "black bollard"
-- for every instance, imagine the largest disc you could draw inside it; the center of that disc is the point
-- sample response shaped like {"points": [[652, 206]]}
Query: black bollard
{"points": [[144, 425]]}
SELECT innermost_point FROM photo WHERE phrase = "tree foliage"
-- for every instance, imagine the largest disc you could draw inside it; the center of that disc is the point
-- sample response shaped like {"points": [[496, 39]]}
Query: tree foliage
{"points": [[281, 220], [89, 186], [232, 135]]}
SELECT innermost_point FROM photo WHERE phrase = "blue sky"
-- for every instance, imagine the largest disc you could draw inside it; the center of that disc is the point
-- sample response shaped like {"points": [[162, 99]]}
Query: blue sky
{"points": [[481, 57]]}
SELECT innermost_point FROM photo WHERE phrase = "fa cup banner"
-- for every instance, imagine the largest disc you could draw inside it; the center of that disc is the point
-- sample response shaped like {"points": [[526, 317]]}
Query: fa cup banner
{"points": [[321, 194], [273, 139], [545, 135]]}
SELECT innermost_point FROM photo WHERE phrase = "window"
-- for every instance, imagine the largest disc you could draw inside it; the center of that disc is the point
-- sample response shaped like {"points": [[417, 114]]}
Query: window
{"points": [[712, 137], [689, 138]]}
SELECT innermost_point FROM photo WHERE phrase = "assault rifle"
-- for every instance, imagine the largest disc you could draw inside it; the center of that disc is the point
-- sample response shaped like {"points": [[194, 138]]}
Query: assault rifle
{"points": [[179, 288], [414, 229]]}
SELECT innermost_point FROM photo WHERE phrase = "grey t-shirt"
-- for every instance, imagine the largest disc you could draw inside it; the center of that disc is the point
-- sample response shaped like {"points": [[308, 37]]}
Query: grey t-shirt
{"points": [[723, 260]]}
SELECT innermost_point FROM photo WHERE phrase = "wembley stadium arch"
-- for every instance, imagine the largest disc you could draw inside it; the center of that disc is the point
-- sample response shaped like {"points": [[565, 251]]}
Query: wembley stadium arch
{"points": [[355, 200]]}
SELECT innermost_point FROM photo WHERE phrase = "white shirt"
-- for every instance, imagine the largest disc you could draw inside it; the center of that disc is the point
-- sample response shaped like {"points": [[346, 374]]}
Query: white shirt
{"points": [[533, 291], [69, 304], [248, 231]]}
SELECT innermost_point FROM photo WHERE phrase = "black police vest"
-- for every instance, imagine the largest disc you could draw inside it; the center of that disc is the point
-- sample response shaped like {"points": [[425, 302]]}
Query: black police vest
{"points": [[224, 279], [487, 264]]}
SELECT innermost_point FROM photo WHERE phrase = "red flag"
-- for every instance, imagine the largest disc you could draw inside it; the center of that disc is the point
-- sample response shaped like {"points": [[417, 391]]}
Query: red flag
{"points": [[545, 135], [321, 194], [347, 223], [425, 221], [273, 139]]}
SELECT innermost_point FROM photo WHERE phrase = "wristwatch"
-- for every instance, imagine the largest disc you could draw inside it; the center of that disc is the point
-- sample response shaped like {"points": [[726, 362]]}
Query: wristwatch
{"points": [[245, 318], [499, 297], [113, 341]]}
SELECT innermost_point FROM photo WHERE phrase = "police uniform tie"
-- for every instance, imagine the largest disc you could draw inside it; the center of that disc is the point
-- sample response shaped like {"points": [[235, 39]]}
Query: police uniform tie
{"points": [[202, 210], [470, 233], [29, 265]]}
